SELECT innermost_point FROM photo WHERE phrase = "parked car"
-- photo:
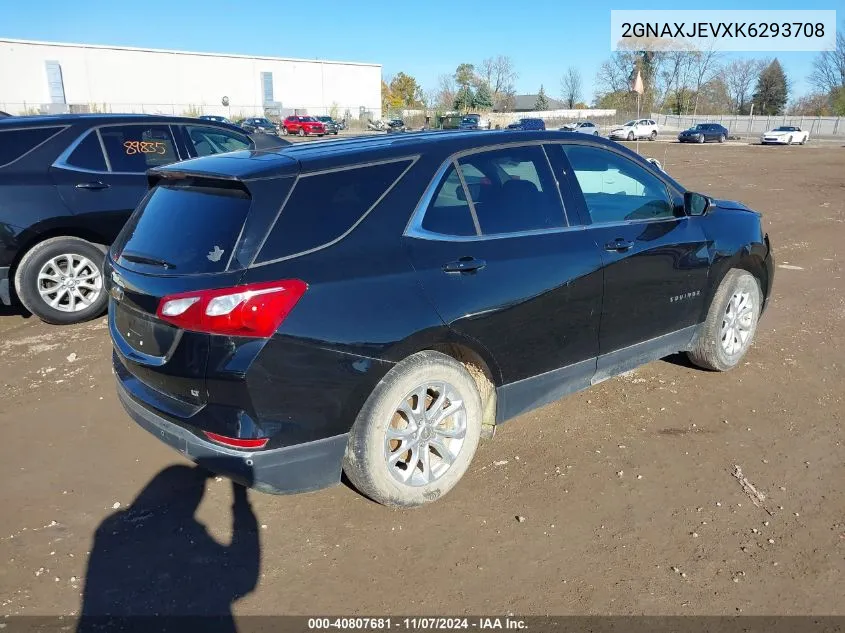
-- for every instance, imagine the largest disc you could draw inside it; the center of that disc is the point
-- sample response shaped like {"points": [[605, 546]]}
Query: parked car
{"points": [[474, 122], [528, 124], [785, 135], [584, 127], [332, 126], [259, 125], [266, 343], [67, 185], [638, 128], [216, 118], [703, 132], [395, 125], [303, 126]]}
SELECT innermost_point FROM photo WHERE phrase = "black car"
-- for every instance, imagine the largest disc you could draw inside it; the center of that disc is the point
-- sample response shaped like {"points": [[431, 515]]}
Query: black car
{"points": [[216, 118], [376, 305], [704, 132], [528, 124], [259, 125], [332, 126], [67, 185]]}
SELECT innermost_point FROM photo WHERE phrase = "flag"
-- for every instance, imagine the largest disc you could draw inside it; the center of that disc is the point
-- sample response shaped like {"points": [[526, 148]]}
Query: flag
{"points": [[637, 84]]}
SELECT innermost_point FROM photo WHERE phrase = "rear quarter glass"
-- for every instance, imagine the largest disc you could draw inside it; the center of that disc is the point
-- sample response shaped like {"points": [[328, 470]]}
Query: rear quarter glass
{"points": [[17, 143], [324, 206], [194, 229]]}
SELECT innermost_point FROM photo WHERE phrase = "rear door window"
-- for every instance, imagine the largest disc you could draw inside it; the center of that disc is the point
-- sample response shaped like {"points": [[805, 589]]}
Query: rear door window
{"points": [[184, 229], [88, 154], [211, 140], [322, 207], [449, 212], [512, 190], [16, 143], [137, 148]]}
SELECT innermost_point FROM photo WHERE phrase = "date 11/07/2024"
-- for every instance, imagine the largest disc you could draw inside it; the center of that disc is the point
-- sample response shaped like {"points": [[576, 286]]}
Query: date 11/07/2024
{"points": [[416, 623]]}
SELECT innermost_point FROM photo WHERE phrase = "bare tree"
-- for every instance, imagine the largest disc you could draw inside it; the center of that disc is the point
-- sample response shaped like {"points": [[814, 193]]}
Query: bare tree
{"points": [[829, 67], [740, 76], [677, 76], [705, 66], [446, 91], [570, 87], [499, 75]]}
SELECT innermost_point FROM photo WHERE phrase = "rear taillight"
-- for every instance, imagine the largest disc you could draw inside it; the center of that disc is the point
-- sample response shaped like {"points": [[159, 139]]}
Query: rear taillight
{"points": [[254, 310]]}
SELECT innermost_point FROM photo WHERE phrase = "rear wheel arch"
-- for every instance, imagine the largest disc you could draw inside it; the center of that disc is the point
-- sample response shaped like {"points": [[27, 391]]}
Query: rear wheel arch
{"points": [[34, 239]]}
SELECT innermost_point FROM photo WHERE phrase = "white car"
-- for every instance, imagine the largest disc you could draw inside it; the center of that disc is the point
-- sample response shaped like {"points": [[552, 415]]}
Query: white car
{"points": [[638, 128], [785, 135], [584, 127]]}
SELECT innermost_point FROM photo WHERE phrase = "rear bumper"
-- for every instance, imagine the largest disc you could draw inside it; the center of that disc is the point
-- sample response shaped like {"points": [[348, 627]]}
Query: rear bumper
{"points": [[5, 294], [291, 469]]}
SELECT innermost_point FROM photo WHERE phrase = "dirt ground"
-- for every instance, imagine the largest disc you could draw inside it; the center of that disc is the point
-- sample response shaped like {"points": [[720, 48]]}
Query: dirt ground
{"points": [[626, 490]]}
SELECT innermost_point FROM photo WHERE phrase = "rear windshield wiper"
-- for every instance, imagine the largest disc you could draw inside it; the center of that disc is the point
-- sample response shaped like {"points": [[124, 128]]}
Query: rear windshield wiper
{"points": [[145, 259]]}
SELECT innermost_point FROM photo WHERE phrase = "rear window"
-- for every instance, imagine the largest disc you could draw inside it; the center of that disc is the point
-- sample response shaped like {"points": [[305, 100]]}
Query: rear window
{"points": [[183, 230], [16, 143], [322, 207]]}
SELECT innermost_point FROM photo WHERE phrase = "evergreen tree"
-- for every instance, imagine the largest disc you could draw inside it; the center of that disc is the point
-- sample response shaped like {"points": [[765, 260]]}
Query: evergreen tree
{"points": [[483, 99], [542, 102], [772, 90], [464, 99]]}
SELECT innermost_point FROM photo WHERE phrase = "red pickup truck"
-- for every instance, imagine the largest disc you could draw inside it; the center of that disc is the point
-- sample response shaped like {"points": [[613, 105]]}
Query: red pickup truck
{"points": [[303, 126]]}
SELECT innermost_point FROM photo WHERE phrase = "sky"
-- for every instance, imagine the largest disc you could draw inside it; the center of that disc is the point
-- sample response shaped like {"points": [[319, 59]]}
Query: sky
{"points": [[424, 39]]}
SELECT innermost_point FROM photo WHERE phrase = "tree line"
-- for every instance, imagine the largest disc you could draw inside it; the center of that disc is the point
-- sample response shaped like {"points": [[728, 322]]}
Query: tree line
{"points": [[677, 81], [702, 82]]}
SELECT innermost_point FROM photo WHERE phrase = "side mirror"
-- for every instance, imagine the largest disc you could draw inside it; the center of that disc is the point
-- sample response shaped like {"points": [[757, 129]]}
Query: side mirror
{"points": [[656, 163], [695, 203]]}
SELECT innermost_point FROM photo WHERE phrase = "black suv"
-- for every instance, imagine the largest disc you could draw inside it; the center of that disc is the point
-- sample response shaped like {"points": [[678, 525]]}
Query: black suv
{"points": [[378, 304], [67, 185], [259, 125]]}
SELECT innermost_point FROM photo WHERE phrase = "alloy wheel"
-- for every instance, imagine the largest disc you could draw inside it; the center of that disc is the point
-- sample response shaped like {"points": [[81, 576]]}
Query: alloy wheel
{"points": [[737, 323], [426, 434], [69, 282]]}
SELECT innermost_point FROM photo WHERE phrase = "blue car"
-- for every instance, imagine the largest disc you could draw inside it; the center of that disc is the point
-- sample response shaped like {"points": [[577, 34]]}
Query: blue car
{"points": [[528, 124]]}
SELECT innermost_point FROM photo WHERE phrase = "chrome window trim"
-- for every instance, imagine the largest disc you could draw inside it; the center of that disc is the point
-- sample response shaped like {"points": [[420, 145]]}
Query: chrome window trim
{"points": [[61, 161], [414, 229], [412, 160], [468, 196], [61, 128]]}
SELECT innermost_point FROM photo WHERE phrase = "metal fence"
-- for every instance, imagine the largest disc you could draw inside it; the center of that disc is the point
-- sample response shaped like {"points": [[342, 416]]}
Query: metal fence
{"points": [[741, 125], [232, 111]]}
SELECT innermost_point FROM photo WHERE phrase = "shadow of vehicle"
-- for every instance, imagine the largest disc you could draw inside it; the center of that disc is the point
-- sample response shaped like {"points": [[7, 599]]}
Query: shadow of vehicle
{"points": [[155, 560]]}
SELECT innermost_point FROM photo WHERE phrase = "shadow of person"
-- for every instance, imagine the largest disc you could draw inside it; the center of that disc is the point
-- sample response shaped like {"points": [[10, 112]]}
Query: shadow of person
{"points": [[155, 559]]}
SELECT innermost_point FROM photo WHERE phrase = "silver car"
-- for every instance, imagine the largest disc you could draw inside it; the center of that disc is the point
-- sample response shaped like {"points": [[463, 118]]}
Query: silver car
{"points": [[584, 127]]}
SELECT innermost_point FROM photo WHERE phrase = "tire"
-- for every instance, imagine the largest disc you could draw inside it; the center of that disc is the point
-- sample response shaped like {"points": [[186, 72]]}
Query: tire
{"points": [[701, 138], [366, 461], [51, 257], [630, 136], [710, 351], [789, 142], [301, 132], [653, 135], [722, 138], [804, 140], [284, 131]]}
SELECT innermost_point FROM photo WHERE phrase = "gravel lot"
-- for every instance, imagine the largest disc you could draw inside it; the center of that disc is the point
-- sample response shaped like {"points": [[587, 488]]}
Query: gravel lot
{"points": [[626, 490]]}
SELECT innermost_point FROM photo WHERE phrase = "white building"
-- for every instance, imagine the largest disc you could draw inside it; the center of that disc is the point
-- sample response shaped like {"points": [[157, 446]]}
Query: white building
{"points": [[53, 77]]}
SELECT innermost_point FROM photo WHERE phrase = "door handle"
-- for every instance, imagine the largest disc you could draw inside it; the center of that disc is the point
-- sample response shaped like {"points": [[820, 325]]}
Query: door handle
{"points": [[619, 245], [94, 186], [465, 265]]}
